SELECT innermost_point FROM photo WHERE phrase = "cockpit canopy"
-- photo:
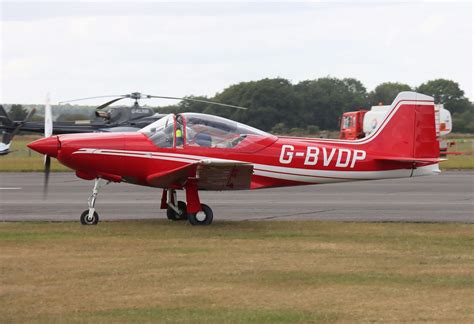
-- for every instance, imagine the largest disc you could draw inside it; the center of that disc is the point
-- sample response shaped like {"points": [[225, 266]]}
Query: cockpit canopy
{"points": [[193, 129]]}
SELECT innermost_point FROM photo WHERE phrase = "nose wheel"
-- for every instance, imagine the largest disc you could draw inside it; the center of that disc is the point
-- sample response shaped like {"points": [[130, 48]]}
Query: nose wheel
{"points": [[89, 220], [90, 216]]}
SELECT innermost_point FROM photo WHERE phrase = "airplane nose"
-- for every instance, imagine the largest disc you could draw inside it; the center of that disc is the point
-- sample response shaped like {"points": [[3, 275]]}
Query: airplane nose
{"points": [[48, 146]]}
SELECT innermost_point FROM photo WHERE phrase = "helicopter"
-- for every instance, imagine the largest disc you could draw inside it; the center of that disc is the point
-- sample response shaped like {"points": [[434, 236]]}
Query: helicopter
{"points": [[108, 119]]}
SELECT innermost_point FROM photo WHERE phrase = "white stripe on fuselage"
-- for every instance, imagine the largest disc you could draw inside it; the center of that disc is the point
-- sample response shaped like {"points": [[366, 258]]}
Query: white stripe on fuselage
{"points": [[271, 171]]}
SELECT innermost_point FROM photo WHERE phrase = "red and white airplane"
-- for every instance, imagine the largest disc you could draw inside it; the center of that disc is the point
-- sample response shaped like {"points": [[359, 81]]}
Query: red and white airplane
{"points": [[215, 153]]}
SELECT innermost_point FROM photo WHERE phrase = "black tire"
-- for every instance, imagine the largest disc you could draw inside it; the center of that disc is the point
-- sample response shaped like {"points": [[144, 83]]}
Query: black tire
{"points": [[85, 221], [183, 208], [198, 219], [172, 215]]}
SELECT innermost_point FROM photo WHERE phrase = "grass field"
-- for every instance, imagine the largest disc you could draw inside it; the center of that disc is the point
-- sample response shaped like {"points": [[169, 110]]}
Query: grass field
{"points": [[464, 161], [142, 271], [23, 159]]}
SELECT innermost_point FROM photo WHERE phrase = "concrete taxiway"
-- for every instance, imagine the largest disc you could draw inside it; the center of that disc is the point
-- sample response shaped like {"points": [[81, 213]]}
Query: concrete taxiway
{"points": [[448, 197]]}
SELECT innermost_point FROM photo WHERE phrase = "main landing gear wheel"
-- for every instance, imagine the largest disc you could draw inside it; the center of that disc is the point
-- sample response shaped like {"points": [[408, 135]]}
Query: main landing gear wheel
{"points": [[203, 217], [86, 220], [173, 215]]}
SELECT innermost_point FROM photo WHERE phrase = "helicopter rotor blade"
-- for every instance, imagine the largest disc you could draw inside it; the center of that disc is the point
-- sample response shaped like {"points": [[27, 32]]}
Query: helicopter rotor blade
{"points": [[137, 95], [20, 125], [87, 98], [196, 100], [108, 103]]}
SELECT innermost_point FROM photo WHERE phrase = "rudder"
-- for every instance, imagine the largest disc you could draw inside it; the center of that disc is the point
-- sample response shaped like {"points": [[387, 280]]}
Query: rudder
{"points": [[408, 132]]}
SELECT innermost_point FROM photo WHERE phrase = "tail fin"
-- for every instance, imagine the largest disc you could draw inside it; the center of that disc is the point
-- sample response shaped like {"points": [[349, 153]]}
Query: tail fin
{"points": [[408, 133]]}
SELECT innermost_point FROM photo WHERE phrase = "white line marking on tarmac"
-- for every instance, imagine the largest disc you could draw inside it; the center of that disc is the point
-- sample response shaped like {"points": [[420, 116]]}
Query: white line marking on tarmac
{"points": [[10, 188]]}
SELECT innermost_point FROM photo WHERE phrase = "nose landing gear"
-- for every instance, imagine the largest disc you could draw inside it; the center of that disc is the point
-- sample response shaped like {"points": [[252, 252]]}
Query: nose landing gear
{"points": [[86, 219], [90, 216]]}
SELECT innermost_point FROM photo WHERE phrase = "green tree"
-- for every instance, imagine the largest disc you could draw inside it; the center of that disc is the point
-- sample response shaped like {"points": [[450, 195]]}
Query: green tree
{"points": [[269, 102], [442, 90], [325, 99], [17, 112], [279, 128], [312, 129], [464, 122], [386, 92], [449, 94], [446, 92], [276, 105]]}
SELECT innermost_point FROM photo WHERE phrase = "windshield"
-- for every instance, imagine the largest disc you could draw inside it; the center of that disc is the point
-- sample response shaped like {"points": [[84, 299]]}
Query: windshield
{"points": [[347, 122], [161, 131], [212, 131], [156, 125]]}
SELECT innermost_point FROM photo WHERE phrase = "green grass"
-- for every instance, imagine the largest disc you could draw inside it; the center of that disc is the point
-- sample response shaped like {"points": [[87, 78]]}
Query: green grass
{"points": [[22, 159], [236, 272], [197, 315], [464, 161]]}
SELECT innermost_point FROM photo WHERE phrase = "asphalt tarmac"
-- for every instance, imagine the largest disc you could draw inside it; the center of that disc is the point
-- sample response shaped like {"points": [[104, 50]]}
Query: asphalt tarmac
{"points": [[448, 197]]}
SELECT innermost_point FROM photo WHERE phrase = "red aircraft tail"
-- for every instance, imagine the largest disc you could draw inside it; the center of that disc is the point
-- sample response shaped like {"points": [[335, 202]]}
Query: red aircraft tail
{"points": [[408, 132]]}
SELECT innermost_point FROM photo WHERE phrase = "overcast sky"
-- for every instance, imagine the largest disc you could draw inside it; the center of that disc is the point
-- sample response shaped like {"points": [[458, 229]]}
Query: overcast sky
{"points": [[79, 49]]}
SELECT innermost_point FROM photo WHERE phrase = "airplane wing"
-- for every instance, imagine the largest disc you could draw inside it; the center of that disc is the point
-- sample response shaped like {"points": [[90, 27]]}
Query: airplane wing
{"points": [[211, 174]]}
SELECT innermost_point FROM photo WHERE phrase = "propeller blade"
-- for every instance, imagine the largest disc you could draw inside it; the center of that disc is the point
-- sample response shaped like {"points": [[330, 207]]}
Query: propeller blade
{"points": [[197, 100], [48, 118], [87, 98], [47, 169], [108, 103]]}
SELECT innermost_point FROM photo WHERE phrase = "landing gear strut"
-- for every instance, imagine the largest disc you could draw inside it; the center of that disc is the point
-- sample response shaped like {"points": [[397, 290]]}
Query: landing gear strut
{"points": [[175, 211], [90, 216], [195, 212], [198, 214]]}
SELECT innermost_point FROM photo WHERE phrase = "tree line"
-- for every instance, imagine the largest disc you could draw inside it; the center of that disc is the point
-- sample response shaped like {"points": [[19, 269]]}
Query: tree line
{"points": [[278, 105]]}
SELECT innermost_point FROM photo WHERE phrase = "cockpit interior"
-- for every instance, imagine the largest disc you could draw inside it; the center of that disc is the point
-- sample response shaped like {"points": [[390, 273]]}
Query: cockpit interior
{"points": [[200, 130]]}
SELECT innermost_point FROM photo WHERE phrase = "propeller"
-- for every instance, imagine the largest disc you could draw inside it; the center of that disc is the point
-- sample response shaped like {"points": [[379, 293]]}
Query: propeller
{"points": [[48, 131], [47, 170], [137, 95]]}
